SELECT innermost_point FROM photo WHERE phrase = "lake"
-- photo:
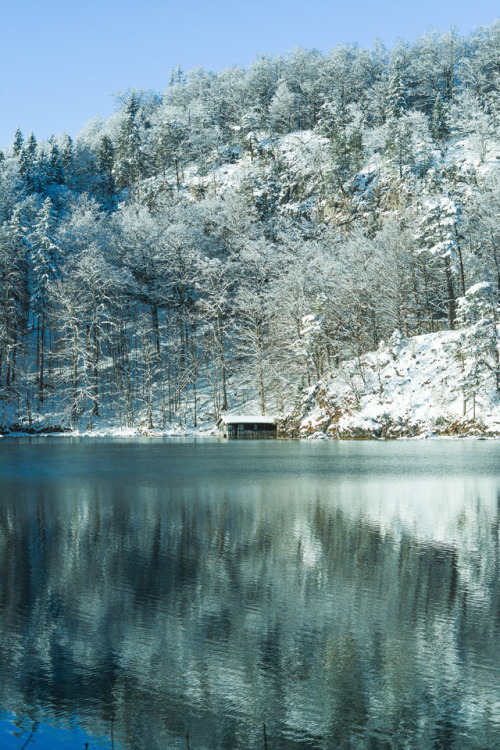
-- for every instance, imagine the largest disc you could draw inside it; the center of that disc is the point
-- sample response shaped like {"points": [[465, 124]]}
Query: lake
{"points": [[344, 594]]}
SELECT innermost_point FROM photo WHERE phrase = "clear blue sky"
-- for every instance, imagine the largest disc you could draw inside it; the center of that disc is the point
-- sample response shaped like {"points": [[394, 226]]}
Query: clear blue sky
{"points": [[61, 60]]}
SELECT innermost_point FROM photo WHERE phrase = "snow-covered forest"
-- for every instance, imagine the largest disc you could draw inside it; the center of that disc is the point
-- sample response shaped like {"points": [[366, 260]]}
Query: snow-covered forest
{"points": [[235, 239]]}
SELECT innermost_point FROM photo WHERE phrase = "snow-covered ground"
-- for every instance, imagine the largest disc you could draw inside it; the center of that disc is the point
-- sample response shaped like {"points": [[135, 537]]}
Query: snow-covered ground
{"points": [[406, 388], [106, 430]]}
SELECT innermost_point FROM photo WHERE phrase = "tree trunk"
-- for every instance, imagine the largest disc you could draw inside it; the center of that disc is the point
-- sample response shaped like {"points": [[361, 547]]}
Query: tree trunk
{"points": [[149, 386], [41, 383], [220, 336], [13, 364], [460, 265], [177, 175], [74, 409], [156, 329], [262, 391], [450, 293], [7, 366], [95, 369]]}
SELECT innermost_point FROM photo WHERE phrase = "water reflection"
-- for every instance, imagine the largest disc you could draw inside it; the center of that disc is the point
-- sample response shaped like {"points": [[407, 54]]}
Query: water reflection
{"points": [[347, 595]]}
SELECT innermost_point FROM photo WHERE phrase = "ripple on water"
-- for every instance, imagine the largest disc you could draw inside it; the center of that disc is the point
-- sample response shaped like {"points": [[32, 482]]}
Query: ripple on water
{"points": [[343, 595]]}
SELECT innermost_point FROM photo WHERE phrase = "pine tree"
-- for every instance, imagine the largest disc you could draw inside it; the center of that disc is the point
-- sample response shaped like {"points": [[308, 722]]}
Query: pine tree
{"points": [[105, 154], [105, 161], [177, 76], [439, 127], [343, 129], [398, 127], [31, 146], [396, 96], [55, 170], [28, 162], [18, 143], [128, 159], [67, 157]]}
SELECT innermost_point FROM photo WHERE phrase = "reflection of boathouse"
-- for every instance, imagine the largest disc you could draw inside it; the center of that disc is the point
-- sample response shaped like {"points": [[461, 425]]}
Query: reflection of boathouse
{"points": [[238, 426]]}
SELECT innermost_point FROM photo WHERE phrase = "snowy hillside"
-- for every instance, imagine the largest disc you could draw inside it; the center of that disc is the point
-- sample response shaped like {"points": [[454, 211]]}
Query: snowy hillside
{"points": [[406, 388]]}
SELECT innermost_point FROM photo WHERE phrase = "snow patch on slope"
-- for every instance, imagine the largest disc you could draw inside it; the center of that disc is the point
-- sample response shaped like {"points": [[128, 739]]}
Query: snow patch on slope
{"points": [[406, 388]]}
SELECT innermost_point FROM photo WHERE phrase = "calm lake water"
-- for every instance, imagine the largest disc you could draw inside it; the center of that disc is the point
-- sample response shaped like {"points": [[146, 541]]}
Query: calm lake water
{"points": [[345, 594]]}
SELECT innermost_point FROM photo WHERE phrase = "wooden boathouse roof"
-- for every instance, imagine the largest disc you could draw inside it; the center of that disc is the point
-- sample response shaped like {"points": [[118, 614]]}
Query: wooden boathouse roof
{"points": [[246, 419]]}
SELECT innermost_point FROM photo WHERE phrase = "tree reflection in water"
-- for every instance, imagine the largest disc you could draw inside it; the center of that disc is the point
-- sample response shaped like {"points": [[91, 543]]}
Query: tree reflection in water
{"points": [[345, 595]]}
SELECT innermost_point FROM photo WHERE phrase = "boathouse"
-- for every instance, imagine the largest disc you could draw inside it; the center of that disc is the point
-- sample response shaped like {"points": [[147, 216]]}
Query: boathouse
{"points": [[247, 426]]}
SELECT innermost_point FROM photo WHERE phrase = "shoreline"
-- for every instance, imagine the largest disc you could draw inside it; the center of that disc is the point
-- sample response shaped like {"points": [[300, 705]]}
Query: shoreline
{"points": [[194, 433]]}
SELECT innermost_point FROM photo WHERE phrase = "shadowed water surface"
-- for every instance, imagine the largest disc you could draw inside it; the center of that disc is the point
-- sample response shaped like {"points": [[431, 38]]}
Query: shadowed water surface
{"points": [[346, 594]]}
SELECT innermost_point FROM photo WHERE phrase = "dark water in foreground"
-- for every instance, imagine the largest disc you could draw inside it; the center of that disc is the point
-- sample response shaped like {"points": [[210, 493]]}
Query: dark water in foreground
{"points": [[346, 594]]}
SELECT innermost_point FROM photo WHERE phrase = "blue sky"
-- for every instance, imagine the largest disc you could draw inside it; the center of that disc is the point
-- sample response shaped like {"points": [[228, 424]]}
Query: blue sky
{"points": [[61, 60]]}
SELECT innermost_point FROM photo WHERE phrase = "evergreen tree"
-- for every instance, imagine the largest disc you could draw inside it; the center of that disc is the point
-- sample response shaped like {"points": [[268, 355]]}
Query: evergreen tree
{"points": [[177, 76], [128, 159], [31, 146], [396, 96], [105, 161], [105, 154], [399, 139], [18, 143], [343, 127], [28, 162], [439, 127], [55, 169], [67, 156]]}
